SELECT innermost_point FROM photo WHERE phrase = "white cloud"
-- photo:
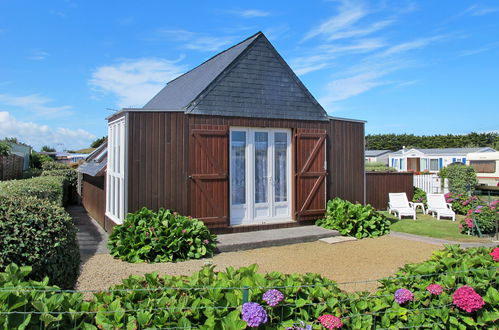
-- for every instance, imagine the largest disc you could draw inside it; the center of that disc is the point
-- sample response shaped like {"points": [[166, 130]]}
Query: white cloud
{"points": [[38, 55], [341, 89], [38, 135], [196, 41], [410, 45], [35, 103], [134, 82], [251, 13], [479, 10], [349, 12]]}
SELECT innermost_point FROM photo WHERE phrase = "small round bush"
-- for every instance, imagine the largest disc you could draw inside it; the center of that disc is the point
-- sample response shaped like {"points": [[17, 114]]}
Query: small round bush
{"points": [[38, 233], [162, 236], [357, 220]]}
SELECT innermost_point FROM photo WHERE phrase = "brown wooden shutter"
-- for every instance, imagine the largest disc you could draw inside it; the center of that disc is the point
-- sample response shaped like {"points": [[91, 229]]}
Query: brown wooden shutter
{"points": [[310, 158], [209, 172]]}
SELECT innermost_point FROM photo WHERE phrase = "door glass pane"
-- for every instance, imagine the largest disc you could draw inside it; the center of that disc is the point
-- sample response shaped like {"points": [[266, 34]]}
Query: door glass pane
{"points": [[280, 150], [238, 165], [261, 166]]}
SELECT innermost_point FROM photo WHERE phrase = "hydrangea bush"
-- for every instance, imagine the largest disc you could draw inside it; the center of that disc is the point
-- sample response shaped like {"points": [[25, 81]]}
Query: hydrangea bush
{"points": [[214, 300], [484, 216], [162, 236]]}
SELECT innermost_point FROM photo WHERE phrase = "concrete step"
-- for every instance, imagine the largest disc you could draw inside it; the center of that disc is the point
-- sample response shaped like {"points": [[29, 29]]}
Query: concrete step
{"points": [[273, 237]]}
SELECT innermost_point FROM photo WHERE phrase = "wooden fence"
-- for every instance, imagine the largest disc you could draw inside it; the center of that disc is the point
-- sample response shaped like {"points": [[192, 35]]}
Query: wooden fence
{"points": [[379, 184], [94, 199], [431, 183], [11, 167]]}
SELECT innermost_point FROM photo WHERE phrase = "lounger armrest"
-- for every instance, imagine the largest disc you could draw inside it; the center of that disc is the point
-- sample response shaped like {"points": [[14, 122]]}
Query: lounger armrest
{"points": [[449, 205], [411, 205]]}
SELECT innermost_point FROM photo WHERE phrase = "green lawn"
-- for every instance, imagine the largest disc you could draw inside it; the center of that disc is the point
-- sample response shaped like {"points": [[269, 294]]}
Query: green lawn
{"points": [[426, 225]]}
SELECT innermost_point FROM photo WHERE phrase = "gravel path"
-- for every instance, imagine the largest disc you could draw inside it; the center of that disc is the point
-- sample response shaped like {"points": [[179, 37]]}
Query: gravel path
{"points": [[360, 260]]}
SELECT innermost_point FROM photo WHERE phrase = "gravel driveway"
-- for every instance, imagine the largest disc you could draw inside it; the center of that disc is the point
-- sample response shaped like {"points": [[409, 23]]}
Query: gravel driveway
{"points": [[360, 260]]}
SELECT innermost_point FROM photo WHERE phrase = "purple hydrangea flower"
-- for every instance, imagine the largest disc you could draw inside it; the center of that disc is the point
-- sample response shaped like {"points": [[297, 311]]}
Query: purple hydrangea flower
{"points": [[403, 295], [254, 314], [301, 326], [273, 297]]}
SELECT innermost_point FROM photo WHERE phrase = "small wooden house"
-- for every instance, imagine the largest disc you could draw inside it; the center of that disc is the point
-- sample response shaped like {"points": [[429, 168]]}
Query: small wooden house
{"points": [[238, 142]]}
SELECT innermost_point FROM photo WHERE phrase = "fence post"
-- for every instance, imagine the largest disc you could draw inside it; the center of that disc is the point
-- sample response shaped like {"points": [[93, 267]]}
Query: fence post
{"points": [[245, 294]]}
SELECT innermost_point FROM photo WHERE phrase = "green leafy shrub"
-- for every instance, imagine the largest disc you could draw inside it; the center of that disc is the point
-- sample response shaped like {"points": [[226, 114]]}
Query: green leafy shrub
{"points": [[31, 173], [160, 236], [212, 300], [58, 169], [462, 203], [483, 215], [461, 177], [36, 160], [420, 196], [378, 167], [37, 233], [48, 187], [18, 296], [354, 219], [5, 148]]}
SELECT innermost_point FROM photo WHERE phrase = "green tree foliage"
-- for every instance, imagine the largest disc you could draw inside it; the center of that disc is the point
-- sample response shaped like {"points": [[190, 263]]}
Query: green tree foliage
{"points": [[47, 149], [98, 142], [461, 177], [36, 160], [4, 149], [397, 141]]}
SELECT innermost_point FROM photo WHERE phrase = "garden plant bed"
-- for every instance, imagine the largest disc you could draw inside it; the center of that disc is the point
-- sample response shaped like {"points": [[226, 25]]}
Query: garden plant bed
{"points": [[426, 225], [360, 260]]}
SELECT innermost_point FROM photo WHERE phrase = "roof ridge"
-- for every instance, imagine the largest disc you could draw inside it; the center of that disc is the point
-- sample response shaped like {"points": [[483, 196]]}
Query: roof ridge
{"points": [[216, 55]]}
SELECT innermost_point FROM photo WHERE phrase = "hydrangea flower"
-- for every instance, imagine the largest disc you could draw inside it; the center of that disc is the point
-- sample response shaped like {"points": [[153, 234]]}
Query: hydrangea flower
{"points": [[273, 297], [254, 314], [330, 321], [495, 254], [206, 242], [467, 299], [469, 222], [403, 295], [434, 289]]}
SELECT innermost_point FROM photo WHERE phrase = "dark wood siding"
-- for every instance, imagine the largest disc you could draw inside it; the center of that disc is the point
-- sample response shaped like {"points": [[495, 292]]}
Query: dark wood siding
{"points": [[379, 184], [346, 177], [158, 156], [94, 197], [157, 161]]}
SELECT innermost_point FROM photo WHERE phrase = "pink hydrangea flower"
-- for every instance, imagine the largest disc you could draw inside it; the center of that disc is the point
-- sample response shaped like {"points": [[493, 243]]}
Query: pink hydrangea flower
{"points": [[467, 299], [206, 242], [495, 254], [184, 230], [403, 295], [330, 321], [434, 289], [469, 222]]}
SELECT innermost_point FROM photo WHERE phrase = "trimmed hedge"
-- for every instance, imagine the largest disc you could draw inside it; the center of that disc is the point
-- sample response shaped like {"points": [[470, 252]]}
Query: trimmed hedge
{"points": [[50, 188], [37, 233], [160, 236]]}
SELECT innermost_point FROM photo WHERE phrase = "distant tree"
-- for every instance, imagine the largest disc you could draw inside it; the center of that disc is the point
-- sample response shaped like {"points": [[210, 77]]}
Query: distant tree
{"points": [[98, 142], [4, 149], [47, 149], [11, 139], [36, 160], [397, 141]]}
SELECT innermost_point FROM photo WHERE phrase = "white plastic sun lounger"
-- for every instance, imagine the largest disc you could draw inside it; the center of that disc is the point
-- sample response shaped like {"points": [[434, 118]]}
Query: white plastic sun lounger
{"points": [[437, 205], [399, 205]]}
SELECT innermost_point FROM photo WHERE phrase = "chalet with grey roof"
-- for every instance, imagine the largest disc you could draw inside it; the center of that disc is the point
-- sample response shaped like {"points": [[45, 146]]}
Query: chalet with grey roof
{"points": [[238, 142]]}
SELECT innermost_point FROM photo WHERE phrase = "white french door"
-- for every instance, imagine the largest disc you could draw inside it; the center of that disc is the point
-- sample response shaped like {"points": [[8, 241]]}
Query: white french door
{"points": [[260, 175]]}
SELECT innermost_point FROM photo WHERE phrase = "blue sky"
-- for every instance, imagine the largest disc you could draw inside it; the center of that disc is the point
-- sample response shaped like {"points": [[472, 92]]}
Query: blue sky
{"points": [[422, 67]]}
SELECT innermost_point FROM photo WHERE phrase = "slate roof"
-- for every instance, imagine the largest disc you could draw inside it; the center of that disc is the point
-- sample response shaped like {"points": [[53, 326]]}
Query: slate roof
{"points": [[249, 79], [376, 153], [96, 162], [448, 151]]}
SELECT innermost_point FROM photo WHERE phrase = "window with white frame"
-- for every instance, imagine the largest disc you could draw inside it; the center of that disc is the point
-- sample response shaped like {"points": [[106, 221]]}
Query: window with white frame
{"points": [[115, 192], [434, 167]]}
